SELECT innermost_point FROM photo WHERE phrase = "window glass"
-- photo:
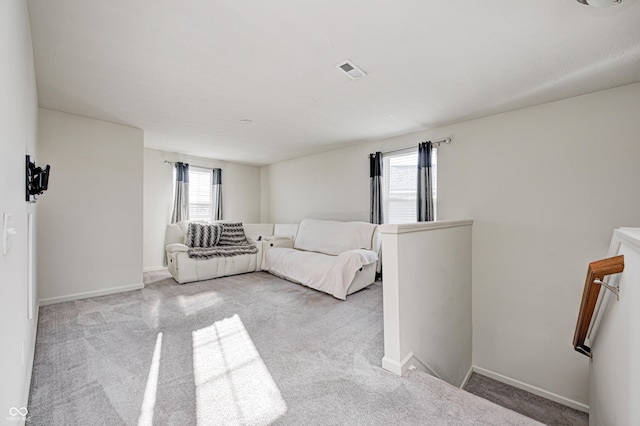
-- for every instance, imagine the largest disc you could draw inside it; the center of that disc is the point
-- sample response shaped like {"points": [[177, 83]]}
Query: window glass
{"points": [[200, 197], [400, 175]]}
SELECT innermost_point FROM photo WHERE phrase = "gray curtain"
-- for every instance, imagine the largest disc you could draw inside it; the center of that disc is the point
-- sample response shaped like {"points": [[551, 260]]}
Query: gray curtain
{"points": [[181, 201], [375, 177], [217, 194], [425, 183]]}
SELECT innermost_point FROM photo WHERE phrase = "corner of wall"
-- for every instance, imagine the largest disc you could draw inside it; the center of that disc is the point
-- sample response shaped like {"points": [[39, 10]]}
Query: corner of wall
{"points": [[18, 133]]}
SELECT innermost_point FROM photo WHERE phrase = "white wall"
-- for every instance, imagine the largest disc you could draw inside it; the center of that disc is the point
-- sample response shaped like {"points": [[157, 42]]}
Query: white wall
{"points": [[332, 185], [427, 298], [158, 185], [545, 187], [18, 133], [615, 341], [90, 219], [240, 196]]}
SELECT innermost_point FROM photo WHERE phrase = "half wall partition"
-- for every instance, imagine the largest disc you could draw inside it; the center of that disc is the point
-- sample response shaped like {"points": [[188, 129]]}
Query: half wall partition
{"points": [[427, 298]]}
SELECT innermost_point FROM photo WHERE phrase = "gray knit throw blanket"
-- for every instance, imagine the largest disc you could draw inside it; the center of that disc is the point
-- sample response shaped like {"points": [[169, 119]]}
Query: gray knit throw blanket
{"points": [[223, 251]]}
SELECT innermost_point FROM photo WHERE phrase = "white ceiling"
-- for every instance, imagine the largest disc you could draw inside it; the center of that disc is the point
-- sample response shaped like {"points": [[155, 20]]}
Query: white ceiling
{"points": [[188, 71]]}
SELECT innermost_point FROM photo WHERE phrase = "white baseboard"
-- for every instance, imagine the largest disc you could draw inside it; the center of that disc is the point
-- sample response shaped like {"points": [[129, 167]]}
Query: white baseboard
{"points": [[392, 366], [396, 367], [86, 294], [154, 268], [532, 389], [466, 378]]}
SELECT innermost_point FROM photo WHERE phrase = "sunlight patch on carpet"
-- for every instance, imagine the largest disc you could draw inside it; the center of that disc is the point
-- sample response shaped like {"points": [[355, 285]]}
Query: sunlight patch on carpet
{"points": [[233, 385], [151, 313], [149, 400], [193, 303]]}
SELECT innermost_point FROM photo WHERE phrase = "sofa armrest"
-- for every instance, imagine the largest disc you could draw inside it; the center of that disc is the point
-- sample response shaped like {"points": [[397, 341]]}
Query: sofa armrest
{"points": [[271, 242], [278, 242], [255, 239], [176, 247]]}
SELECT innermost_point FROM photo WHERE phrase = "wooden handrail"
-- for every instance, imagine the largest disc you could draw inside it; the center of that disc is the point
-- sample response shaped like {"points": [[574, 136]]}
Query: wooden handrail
{"points": [[596, 272]]}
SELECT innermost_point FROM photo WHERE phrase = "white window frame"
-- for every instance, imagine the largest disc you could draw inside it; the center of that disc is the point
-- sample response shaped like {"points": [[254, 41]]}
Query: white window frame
{"points": [[405, 202], [198, 178]]}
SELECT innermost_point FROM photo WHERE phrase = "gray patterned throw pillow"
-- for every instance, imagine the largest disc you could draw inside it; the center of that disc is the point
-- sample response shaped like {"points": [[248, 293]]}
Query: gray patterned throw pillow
{"points": [[232, 234], [203, 235]]}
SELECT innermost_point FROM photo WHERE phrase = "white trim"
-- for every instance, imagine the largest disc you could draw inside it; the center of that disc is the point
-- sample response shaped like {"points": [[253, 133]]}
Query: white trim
{"points": [[86, 294], [155, 268], [398, 368], [31, 301], [29, 370], [466, 378], [405, 228], [629, 237], [392, 366], [532, 389]]}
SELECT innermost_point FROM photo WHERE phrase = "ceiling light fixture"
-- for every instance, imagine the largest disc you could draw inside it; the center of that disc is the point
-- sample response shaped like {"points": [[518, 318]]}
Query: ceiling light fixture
{"points": [[600, 3], [246, 121]]}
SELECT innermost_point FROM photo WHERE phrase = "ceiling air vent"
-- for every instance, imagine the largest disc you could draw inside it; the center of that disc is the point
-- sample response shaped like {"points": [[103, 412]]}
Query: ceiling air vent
{"points": [[350, 69]]}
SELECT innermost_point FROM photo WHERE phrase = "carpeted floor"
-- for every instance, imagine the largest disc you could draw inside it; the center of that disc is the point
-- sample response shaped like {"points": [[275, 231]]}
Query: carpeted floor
{"points": [[536, 407], [249, 349]]}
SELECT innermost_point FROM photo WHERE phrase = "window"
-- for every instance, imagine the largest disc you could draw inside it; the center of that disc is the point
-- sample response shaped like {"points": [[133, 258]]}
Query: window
{"points": [[200, 197], [401, 185]]}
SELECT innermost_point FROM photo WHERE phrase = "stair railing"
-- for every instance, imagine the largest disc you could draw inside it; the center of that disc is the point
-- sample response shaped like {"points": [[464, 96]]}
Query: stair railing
{"points": [[595, 274]]}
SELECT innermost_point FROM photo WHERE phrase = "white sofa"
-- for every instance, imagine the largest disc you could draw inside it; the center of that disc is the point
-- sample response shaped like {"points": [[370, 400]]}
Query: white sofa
{"points": [[338, 258], [185, 269]]}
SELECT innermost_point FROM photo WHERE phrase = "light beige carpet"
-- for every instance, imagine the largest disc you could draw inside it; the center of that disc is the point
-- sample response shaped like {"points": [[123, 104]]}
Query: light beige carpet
{"points": [[249, 349]]}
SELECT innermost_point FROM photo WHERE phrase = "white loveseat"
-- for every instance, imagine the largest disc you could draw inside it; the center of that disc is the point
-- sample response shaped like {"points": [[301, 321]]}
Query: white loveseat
{"points": [[338, 258]]}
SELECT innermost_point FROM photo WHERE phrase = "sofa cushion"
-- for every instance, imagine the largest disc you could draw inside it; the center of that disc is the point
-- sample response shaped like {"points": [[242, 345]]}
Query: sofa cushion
{"points": [[333, 237], [286, 230], [331, 274], [222, 251], [232, 234], [203, 235]]}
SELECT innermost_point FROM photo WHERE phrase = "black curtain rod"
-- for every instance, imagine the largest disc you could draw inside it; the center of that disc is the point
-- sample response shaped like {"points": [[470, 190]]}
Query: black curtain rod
{"points": [[447, 141], [194, 165]]}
